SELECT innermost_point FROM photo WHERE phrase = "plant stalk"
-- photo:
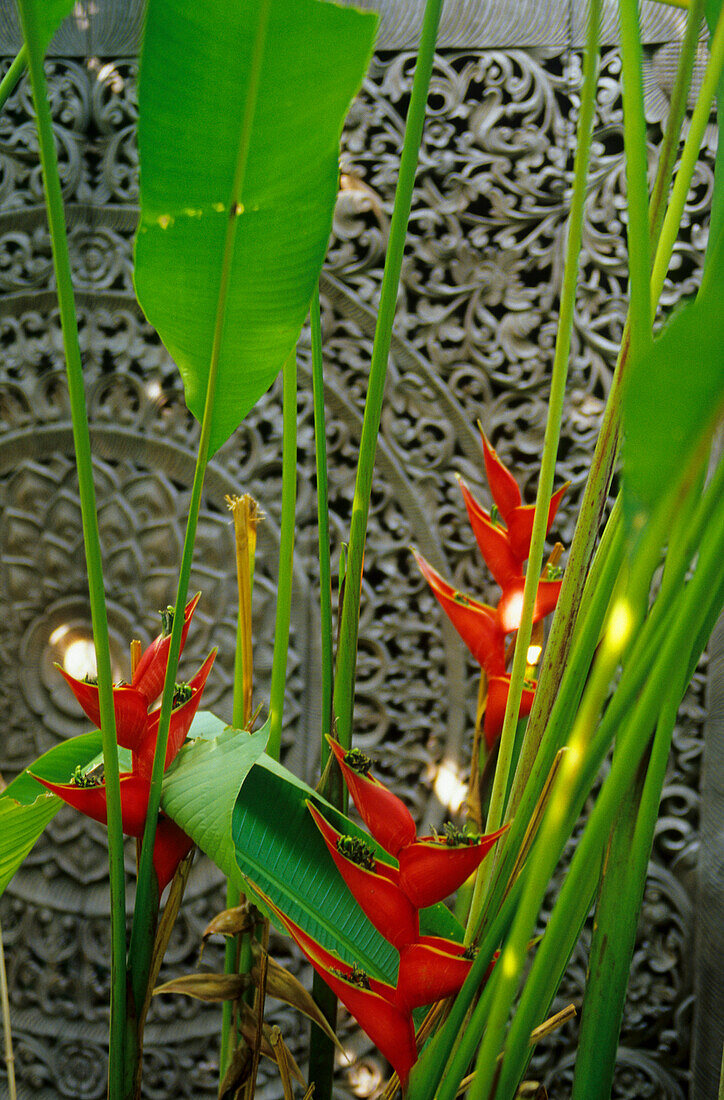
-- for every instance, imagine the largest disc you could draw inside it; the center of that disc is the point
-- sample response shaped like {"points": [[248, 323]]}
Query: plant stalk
{"points": [[548, 460], [286, 558], [91, 540], [146, 907], [7, 1030], [10, 81], [349, 626]]}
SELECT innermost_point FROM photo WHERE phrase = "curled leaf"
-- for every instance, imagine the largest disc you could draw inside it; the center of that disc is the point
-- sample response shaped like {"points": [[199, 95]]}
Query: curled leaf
{"points": [[207, 987]]}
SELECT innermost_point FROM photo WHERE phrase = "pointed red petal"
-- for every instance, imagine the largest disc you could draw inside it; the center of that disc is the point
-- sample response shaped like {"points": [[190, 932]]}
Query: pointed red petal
{"points": [[151, 669], [430, 869], [181, 720], [476, 623], [91, 801], [377, 894], [389, 1028], [503, 485], [170, 847], [492, 541], [385, 815], [129, 705], [498, 689], [520, 524], [510, 604], [428, 972]]}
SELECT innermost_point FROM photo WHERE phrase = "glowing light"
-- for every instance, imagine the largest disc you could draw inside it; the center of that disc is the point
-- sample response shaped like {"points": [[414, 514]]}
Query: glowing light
{"points": [[509, 963], [153, 389], [534, 652], [620, 624], [59, 633], [512, 609], [79, 658], [448, 786]]}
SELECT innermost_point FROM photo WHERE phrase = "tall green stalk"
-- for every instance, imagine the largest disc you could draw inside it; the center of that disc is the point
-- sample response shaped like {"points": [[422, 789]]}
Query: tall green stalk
{"points": [[555, 660], [10, 81], [349, 626], [147, 889], [7, 1030], [286, 558], [321, 1047], [325, 568], [91, 540], [570, 790], [550, 451]]}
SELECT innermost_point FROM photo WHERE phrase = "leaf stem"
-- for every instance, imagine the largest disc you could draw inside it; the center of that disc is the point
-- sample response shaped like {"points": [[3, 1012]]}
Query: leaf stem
{"points": [[325, 568], [349, 626], [550, 451], [10, 81], [286, 557], [91, 539], [146, 907], [7, 1030]]}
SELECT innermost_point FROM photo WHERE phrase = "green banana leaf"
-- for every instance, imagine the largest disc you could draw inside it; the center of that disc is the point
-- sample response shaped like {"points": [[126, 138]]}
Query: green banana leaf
{"points": [[277, 847], [239, 106], [45, 16], [26, 807], [675, 395]]}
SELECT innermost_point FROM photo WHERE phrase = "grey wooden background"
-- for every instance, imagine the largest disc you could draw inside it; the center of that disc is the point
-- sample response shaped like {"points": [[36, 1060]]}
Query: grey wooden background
{"points": [[473, 338]]}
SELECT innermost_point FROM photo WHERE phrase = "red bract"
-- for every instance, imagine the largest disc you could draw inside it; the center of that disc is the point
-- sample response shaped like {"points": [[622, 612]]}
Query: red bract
{"points": [[375, 889], [430, 969], [431, 868], [385, 815], [139, 733], [476, 623], [371, 1002], [498, 690], [518, 517], [506, 567]]}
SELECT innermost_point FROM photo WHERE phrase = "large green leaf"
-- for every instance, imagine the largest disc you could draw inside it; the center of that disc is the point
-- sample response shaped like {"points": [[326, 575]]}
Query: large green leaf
{"points": [[675, 394], [46, 17], [26, 806], [196, 88], [201, 787]]}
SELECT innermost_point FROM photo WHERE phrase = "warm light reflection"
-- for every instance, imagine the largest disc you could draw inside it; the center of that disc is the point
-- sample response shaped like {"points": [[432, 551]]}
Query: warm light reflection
{"points": [[79, 659], [534, 652], [620, 623], [448, 786], [153, 389]]}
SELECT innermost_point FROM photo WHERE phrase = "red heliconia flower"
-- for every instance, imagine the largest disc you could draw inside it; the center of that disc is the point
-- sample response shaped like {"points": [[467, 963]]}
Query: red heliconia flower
{"points": [[431, 868], [385, 815], [150, 671], [374, 886], [498, 689], [430, 969], [371, 1002], [517, 517], [131, 701], [507, 567], [89, 795], [476, 623], [181, 719]]}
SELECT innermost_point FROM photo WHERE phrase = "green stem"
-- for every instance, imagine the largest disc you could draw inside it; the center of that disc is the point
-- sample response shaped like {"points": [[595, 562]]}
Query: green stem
{"points": [[637, 203], [286, 558], [10, 81], [325, 568], [321, 1047], [7, 1030], [569, 790], [349, 627], [146, 906], [618, 909], [604, 457], [550, 451], [91, 539], [689, 157]]}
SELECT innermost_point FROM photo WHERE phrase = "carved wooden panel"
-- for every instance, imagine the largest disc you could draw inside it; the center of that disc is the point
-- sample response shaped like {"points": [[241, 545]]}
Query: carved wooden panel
{"points": [[473, 339]]}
